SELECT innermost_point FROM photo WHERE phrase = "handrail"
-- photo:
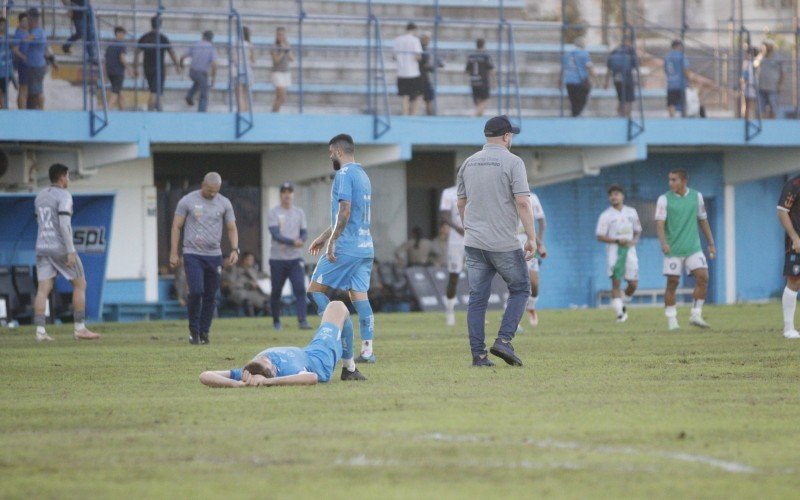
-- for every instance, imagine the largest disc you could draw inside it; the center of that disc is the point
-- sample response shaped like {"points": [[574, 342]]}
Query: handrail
{"points": [[635, 128], [751, 127], [97, 122]]}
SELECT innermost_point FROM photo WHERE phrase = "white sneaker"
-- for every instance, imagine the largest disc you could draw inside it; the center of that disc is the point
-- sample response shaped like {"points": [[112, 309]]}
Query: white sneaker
{"points": [[791, 334], [698, 321], [43, 337], [450, 318], [622, 318], [672, 323]]}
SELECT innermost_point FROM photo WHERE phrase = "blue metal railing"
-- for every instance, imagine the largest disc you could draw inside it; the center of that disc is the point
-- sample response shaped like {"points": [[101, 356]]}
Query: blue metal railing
{"points": [[752, 127]]}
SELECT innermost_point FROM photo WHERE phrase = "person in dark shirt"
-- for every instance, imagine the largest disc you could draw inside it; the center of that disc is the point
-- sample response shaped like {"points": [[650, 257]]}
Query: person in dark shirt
{"points": [[154, 44], [426, 67], [621, 63], [789, 215], [82, 22], [480, 68], [116, 67]]}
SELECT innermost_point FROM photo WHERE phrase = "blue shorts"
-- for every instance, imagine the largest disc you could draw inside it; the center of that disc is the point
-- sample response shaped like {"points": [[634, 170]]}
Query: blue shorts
{"points": [[325, 350], [347, 273]]}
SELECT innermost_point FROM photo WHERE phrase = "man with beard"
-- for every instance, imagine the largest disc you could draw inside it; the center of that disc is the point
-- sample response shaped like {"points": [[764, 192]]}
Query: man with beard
{"points": [[347, 261]]}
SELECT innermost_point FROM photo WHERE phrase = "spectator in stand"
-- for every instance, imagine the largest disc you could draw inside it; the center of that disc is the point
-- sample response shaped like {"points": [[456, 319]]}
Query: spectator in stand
{"points": [[676, 66], [154, 45], [407, 51], [37, 56], [417, 251], [770, 79], [749, 84], [18, 48], [116, 66], [621, 63], [480, 69], [245, 291], [6, 66], [244, 78], [80, 13], [281, 75], [426, 66], [204, 65], [577, 76]]}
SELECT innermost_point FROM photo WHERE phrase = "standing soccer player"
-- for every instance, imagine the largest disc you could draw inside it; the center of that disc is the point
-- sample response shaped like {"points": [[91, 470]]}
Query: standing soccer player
{"points": [[448, 211], [619, 227], [347, 261], [678, 212], [541, 252], [55, 254], [201, 214], [789, 215]]}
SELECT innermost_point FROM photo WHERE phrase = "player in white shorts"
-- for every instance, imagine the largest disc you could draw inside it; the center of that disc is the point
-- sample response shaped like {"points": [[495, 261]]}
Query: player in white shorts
{"points": [[448, 211], [533, 264], [620, 228]]}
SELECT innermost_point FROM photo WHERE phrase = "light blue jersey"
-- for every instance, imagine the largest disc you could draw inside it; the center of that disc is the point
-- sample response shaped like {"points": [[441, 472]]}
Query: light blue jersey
{"points": [[575, 66], [351, 184], [675, 63]]}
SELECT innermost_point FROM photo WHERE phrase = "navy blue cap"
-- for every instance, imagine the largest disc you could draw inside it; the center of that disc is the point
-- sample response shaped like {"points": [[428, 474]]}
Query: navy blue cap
{"points": [[287, 186], [498, 126]]}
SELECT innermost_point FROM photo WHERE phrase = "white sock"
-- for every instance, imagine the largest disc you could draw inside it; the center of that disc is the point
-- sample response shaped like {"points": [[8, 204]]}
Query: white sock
{"points": [[671, 312], [366, 348], [41, 331], [627, 298], [450, 304], [616, 304], [349, 364], [789, 305], [80, 326], [697, 307], [532, 303]]}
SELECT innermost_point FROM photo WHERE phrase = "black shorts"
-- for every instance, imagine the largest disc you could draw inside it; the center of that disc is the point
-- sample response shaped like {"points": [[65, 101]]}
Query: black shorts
{"points": [[626, 94], [412, 87], [791, 265], [152, 83], [116, 82], [480, 94], [674, 97]]}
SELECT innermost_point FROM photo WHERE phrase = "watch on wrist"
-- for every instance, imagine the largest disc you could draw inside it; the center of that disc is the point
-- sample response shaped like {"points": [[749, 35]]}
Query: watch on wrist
{"points": [[238, 252]]}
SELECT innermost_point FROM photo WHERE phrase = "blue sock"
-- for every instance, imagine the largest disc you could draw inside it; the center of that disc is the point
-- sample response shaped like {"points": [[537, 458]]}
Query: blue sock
{"points": [[366, 321], [321, 300], [347, 339]]}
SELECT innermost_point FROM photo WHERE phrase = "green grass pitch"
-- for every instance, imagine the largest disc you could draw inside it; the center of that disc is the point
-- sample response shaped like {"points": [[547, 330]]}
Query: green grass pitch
{"points": [[598, 410]]}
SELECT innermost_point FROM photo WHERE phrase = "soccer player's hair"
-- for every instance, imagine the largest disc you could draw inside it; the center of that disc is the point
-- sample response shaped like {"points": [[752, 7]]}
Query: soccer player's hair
{"points": [[680, 173], [617, 188], [119, 29], [57, 171], [155, 21], [480, 43], [22, 15], [208, 35], [676, 44], [343, 142], [256, 368], [411, 26]]}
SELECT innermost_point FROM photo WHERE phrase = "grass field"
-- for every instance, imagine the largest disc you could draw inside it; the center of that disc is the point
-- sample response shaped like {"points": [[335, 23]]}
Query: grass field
{"points": [[598, 410]]}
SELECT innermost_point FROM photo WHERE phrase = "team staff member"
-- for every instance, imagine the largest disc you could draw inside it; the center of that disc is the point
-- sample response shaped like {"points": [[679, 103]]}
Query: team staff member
{"points": [[289, 230], [201, 214], [493, 193], [55, 254], [678, 212], [789, 215]]}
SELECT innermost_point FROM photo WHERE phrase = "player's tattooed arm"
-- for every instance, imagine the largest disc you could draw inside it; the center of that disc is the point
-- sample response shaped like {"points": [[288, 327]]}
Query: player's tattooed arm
{"points": [[341, 222]]}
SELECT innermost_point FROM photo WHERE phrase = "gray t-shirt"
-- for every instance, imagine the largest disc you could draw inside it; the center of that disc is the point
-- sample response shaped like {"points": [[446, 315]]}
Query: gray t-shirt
{"points": [[289, 222], [205, 218], [769, 73], [489, 180], [283, 58], [50, 203]]}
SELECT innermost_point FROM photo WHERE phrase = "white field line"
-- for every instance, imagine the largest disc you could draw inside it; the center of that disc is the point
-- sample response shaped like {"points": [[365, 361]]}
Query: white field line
{"points": [[725, 465]]}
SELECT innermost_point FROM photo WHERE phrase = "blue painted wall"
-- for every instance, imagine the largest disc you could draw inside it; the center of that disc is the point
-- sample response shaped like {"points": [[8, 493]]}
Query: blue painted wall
{"points": [[759, 240], [575, 269]]}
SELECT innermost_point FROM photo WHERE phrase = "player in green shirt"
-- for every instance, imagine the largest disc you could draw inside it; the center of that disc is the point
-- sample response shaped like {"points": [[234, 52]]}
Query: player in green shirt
{"points": [[678, 212]]}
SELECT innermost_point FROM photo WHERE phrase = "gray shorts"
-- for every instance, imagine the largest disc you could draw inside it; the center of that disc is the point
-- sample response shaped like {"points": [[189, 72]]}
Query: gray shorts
{"points": [[36, 79], [47, 267]]}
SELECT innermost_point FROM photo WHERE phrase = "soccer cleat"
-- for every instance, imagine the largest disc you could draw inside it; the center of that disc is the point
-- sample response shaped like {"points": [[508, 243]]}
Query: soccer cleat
{"points": [[672, 323], [43, 337], [622, 318], [450, 318], [791, 334], [365, 359], [505, 351], [354, 375], [533, 318], [85, 334], [305, 326], [697, 320], [277, 325], [481, 360]]}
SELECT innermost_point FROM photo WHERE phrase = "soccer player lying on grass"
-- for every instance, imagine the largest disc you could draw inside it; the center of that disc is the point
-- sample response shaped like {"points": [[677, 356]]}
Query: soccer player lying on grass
{"points": [[295, 366]]}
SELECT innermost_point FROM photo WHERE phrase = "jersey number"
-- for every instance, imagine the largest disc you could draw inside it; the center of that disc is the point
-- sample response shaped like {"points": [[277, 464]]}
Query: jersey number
{"points": [[46, 217]]}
